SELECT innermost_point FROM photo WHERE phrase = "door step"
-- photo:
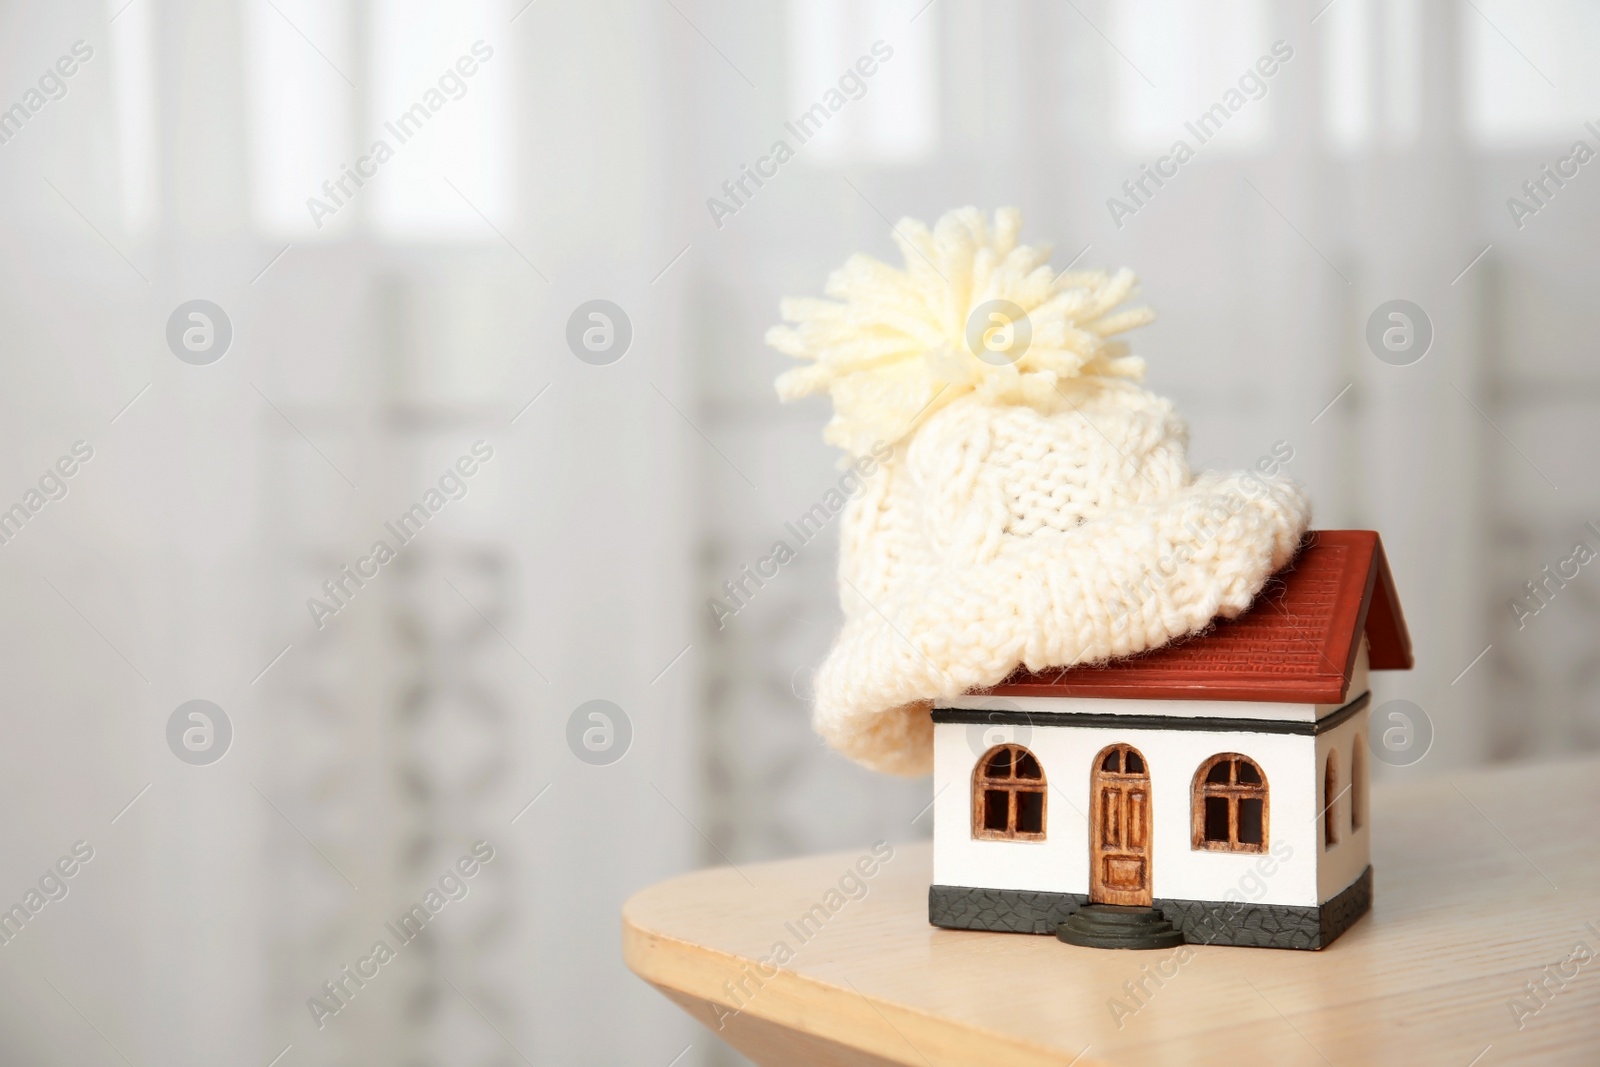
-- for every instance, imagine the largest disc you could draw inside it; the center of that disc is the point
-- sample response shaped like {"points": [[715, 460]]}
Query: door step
{"points": [[1116, 926]]}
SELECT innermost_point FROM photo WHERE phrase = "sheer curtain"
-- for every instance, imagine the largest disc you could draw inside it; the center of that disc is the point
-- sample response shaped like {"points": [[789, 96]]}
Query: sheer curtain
{"points": [[382, 328], [415, 319]]}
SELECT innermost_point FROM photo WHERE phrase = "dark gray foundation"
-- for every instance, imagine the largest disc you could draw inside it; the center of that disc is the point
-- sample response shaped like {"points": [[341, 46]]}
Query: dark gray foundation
{"points": [[1202, 922], [1005, 910]]}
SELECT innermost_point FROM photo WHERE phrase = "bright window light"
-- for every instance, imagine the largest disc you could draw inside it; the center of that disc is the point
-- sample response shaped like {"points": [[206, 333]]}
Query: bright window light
{"points": [[1402, 71], [1170, 61], [297, 57], [1346, 36], [133, 74], [888, 117], [449, 130], [1530, 76]]}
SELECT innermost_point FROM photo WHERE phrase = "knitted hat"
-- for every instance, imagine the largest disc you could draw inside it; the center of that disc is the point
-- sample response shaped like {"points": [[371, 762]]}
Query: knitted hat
{"points": [[1037, 508]]}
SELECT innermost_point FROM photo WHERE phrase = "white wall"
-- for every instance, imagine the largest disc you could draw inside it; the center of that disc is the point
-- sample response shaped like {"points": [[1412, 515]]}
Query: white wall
{"points": [[1060, 863], [1343, 863]]}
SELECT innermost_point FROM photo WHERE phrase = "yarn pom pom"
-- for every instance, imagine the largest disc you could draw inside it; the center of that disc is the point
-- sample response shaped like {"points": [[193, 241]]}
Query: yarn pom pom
{"points": [[894, 346]]}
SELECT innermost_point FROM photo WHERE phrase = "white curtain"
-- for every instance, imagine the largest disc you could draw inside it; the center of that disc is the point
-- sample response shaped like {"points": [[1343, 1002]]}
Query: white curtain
{"points": [[602, 152]]}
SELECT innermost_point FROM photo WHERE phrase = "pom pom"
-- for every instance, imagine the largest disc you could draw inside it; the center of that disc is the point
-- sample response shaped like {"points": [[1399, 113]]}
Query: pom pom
{"points": [[894, 346]]}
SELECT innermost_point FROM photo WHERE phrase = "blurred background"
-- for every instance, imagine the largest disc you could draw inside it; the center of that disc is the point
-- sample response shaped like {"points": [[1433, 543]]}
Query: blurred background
{"points": [[378, 319]]}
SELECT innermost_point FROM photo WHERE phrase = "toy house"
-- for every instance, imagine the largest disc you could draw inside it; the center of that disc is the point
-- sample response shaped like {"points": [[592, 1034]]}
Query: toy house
{"points": [[1211, 791]]}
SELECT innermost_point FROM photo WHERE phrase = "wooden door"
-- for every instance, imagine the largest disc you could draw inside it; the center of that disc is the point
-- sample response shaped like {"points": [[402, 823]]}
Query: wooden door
{"points": [[1119, 828]]}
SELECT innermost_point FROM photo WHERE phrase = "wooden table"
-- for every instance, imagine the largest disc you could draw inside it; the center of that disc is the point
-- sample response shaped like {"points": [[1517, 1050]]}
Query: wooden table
{"points": [[1485, 881]]}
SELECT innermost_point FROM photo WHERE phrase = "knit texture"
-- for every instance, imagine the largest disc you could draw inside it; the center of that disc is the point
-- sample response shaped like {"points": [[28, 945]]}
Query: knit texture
{"points": [[1035, 513]]}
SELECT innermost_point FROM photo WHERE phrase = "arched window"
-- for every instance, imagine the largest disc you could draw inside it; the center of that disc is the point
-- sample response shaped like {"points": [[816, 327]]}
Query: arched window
{"points": [[1229, 807], [1123, 759], [1008, 796], [1330, 801], [1358, 784]]}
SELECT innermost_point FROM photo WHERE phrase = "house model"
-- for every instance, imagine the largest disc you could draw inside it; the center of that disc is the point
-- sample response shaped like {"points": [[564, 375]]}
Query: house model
{"points": [[1212, 791]]}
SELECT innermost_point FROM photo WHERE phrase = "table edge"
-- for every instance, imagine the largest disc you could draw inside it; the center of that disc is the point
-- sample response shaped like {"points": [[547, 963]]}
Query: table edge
{"points": [[800, 1002]]}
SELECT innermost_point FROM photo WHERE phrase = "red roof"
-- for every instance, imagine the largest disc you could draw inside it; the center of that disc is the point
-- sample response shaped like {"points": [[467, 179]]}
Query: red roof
{"points": [[1297, 642]]}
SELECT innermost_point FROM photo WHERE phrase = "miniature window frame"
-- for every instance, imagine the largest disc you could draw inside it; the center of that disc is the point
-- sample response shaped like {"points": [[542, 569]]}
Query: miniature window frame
{"points": [[1330, 800], [1358, 785], [1235, 791], [1014, 783]]}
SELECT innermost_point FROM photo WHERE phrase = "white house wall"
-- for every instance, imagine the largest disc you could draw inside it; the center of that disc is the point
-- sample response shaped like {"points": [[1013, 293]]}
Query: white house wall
{"points": [[1343, 863], [1060, 863]]}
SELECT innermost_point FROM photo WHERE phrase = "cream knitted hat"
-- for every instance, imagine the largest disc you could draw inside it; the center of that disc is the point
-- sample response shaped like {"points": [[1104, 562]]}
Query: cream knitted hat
{"points": [[1037, 509]]}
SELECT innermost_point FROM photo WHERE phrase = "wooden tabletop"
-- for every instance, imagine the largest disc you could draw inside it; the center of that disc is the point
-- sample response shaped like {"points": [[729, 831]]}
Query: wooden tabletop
{"points": [[1484, 882]]}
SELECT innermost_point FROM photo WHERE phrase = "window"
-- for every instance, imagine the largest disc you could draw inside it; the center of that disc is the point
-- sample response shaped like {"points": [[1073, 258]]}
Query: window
{"points": [[1229, 807], [133, 70], [467, 143], [365, 113], [890, 117], [1174, 61], [1330, 801], [1527, 79], [1371, 73], [300, 113], [1008, 796], [1358, 784], [1121, 759]]}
